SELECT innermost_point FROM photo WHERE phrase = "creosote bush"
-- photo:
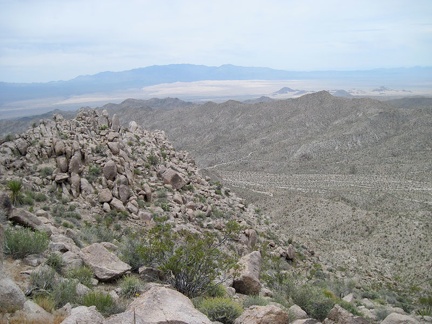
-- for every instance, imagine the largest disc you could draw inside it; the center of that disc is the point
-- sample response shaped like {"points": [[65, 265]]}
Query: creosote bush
{"points": [[20, 242]]}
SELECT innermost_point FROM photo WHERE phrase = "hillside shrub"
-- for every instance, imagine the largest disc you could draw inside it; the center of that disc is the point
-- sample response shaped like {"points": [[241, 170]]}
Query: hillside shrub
{"points": [[255, 300], [104, 303], [130, 286], [219, 309], [190, 261], [65, 292], [20, 242], [43, 280], [55, 261], [83, 274]]}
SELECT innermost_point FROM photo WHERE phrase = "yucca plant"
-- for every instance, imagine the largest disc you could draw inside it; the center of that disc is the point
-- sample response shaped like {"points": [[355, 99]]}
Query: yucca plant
{"points": [[15, 186]]}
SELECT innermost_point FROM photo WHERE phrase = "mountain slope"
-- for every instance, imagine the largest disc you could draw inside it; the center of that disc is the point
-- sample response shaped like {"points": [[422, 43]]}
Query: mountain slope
{"points": [[351, 177]]}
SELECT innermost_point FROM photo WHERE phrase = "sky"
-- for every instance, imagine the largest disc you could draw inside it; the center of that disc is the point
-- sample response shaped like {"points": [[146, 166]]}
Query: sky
{"points": [[49, 40]]}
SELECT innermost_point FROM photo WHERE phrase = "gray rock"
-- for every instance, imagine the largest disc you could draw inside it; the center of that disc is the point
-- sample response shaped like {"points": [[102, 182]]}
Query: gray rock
{"points": [[248, 280], [84, 315], [115, 126], [114, 147], [263, 315], [172, 178], [11, 296], [105, 265], [396, 318], [22, 146], [105, 195], [75, 164], [117, 204], [297, 313], [86, 187], [160, 305], [124, 193], [133, 126], [62, 163], [33, 313], [27, 219], [338, 315], [110, 170], [59, 148]]}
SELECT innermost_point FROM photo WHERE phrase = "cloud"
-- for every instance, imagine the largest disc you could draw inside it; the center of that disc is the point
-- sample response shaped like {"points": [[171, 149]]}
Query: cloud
{"points": [[62, 39]]}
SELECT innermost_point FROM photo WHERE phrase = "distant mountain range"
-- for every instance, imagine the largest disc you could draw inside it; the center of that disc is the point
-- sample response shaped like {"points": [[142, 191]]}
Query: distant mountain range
{"points": [[141, 77]]}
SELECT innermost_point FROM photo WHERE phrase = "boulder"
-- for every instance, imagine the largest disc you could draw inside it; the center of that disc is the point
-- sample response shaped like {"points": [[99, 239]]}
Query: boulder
{"points": [[86, 187], [22, 146], [84, 315], [172, 178], [105, 265], [105, 195], [62, 163], [160, 305], [115, 123], [269, 314], [338, 315], [27, 219], [59, 148], [396, 318], [11, 296], [124, 193], [32, 313], [110, 170], [247, 282], [297, 313], [133, 126], [75, 164], [117, 204], [114, 147]]}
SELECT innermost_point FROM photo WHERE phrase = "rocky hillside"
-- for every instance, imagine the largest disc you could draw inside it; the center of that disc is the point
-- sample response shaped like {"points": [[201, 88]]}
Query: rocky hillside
{"points": [[109, 224]]}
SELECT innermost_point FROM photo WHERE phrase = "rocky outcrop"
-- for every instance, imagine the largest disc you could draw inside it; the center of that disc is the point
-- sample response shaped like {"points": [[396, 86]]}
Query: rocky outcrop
{"points": [[248, 282], [105, 265], [172, 177], [296, 312], [269, 314], [160, 305], [84, 315]]}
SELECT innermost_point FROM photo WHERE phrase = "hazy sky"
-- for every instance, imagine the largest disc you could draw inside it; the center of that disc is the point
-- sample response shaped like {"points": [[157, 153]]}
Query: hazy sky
{"points": [[44, 40]]}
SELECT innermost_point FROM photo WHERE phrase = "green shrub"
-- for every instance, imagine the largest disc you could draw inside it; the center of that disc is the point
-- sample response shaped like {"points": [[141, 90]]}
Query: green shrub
{"points": [[45, 172], [219, 309], [255, 300], [45, 301], [153, 159], [129, 252], [130, 286], [93, 173], [312, 301], [55, 261], [191, 261], [103, 302], [65, 292], [20, 242], [83, 274], [43, 280], [40, 197]]}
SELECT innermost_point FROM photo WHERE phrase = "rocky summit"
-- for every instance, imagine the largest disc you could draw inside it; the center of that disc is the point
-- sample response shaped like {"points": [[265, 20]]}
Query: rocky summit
{"points": [[103, 223]]}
